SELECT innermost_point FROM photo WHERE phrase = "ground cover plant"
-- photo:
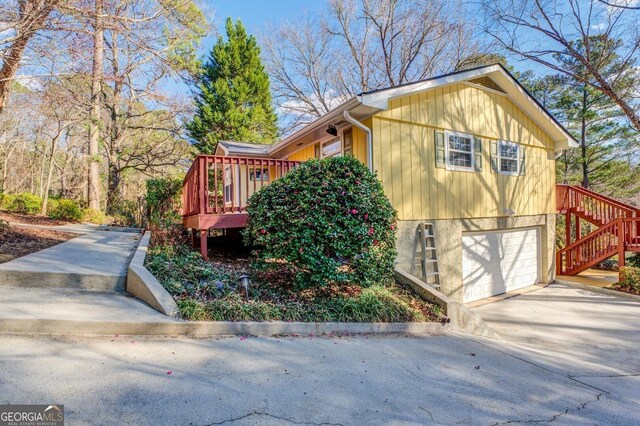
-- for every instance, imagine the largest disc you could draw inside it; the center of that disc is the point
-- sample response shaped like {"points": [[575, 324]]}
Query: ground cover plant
{"points": [[211, 291], [629, 280]]}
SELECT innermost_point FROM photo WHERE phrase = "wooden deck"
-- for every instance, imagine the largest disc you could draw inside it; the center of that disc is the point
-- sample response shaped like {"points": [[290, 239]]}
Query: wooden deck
{"points": [[216, 189]]}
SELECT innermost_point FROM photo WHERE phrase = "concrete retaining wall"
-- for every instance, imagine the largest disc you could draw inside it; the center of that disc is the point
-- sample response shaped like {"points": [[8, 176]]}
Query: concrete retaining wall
{"points": [[143, 285], [461, 318], [449, 246]]}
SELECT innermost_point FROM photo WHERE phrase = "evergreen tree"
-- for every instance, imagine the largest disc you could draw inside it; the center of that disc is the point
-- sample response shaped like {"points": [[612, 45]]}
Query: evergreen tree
{"points": [[601, 162], [233, 99], [604, 160]]}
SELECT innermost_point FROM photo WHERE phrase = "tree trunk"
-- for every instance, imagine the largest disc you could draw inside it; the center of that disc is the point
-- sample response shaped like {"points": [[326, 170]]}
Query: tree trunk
{"points": [[5, 166], [45, 196], [583, 140], [115, 175], [93, 181], [113, 196]]}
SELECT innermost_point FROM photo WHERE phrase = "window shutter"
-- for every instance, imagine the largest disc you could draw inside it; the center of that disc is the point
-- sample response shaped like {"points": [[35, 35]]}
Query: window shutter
{"points": [[477, 163], [494, 157], [440, 151], [317, 150], [523, 160]]}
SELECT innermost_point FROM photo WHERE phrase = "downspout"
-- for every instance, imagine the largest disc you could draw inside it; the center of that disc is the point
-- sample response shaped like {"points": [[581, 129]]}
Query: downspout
{"points": [[367, 131]]}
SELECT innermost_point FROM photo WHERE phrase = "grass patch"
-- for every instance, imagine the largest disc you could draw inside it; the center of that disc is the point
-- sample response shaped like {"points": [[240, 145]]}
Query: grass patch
{"points": [[207, 291]]}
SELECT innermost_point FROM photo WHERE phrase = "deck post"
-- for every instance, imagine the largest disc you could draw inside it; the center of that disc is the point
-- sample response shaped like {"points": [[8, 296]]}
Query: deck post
{"points": [[203, 244], [567, 228], [621, 242]]}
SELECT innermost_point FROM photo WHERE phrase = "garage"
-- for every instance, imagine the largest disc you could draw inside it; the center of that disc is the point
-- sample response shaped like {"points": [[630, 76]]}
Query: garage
{"points": [[499, 261]]}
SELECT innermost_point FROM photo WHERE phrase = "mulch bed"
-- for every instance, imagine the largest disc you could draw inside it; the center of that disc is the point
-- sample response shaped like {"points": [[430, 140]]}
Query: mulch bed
{"points": [[30, 219], [624, 290], [17, 241]]}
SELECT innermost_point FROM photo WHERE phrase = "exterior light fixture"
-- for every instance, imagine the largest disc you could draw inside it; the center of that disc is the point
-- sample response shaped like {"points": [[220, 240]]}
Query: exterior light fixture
{"points": [[332, 130], [244, 281]]}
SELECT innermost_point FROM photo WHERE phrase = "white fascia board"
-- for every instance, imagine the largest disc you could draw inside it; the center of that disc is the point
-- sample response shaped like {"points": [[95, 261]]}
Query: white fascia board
{"points": [[380, 99], [318, 122]]}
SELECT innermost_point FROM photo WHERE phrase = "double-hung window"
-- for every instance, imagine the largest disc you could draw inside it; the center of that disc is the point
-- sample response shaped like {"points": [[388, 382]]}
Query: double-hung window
{"points": [[508, 158], [459, 151]]}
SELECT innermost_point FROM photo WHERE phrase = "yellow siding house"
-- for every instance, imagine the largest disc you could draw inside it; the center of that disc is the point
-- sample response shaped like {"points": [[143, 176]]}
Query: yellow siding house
{"points": [[467, 160]]}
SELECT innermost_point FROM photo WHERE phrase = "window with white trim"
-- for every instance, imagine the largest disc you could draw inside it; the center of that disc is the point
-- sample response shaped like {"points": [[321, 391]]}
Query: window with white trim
{"points": [[258, 174], [332, 148], [459, 151], [508, 158]]}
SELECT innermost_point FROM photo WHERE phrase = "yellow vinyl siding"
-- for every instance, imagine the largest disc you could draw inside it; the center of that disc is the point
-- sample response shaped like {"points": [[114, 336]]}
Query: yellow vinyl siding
{"points": [[304, 154], [404, 156], [359, 146]]}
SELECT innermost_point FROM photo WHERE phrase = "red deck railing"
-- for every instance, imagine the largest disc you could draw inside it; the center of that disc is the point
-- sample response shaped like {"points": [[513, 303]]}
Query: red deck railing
{"points": [[221, 185], [591, 206], [619, 229]]}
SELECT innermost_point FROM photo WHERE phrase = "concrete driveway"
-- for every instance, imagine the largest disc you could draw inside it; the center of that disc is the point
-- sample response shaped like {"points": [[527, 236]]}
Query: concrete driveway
{"points": [[357, 380], [589, 337]]}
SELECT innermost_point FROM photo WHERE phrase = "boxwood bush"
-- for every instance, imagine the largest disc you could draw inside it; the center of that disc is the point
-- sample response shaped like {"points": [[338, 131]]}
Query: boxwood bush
{"points": [[24, 203], [64, 209], [328, 221]]}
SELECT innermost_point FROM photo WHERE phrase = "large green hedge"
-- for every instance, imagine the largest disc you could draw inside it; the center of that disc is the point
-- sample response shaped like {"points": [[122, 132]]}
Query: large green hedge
{"points": [[328, 221]]}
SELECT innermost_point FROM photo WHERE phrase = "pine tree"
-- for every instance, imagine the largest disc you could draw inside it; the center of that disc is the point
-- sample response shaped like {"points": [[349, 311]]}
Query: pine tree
{"points": [[604, 159], [598, 125], [233, 99]]}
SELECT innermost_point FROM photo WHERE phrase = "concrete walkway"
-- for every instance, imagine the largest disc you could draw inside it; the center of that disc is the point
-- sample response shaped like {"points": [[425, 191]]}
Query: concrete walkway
{"points": [[584, 335], [95, 260], [592, 278]]}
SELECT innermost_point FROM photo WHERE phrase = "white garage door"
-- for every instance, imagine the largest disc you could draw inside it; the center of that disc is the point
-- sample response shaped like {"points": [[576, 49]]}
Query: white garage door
{"points": [[500, 261]]}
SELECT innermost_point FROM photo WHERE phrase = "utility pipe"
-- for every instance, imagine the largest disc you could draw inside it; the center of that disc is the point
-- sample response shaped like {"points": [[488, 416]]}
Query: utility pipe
{"points": [[367, 130]]}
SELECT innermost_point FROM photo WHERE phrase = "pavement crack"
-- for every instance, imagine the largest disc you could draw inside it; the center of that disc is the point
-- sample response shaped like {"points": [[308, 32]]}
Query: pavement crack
{"points": [[579, 376], [554, 417], [264, 413]]}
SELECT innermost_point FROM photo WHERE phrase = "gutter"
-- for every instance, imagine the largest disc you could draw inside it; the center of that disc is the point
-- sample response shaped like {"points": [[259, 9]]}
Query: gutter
{"points": [[310, 127], [367, 130]]}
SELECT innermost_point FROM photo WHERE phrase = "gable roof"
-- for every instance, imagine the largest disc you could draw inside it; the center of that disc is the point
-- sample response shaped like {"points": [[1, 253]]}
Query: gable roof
{"points": [[494, 78], [497, 74], [242, 148]]}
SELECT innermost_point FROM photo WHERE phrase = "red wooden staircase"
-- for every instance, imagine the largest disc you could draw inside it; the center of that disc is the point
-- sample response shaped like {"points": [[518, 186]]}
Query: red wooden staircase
{"points": [[618, 229]]}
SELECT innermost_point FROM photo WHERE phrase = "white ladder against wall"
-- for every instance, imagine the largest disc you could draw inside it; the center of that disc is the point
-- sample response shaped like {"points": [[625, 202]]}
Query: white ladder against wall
{"points": [[429, 260]]}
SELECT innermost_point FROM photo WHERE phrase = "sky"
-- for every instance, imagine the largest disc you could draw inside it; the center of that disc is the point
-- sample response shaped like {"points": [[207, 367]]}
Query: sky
{"points": [[255, 14]]}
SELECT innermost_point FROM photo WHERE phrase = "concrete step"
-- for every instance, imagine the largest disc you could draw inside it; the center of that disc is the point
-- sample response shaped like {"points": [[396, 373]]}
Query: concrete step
{"points": [[95, 261], [71, 311]]}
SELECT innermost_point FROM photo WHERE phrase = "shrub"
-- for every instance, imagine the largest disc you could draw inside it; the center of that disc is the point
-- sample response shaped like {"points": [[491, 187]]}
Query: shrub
{"points": [[5, 200], [634, 260], [607, 265], [64, 209], [127, 213], [328, 220], [25, 203], [163, 202], [629, 279], [93, 216]]}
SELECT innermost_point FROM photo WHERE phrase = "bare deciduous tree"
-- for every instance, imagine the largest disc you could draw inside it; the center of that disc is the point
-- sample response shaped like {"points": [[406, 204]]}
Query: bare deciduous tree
{"points": [[20, 22], [360, 45], [545, 31]]}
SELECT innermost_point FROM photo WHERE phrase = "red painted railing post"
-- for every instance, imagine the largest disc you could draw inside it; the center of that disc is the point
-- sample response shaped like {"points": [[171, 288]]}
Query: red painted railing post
{"points": [[621, 243], [202, 184]]}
